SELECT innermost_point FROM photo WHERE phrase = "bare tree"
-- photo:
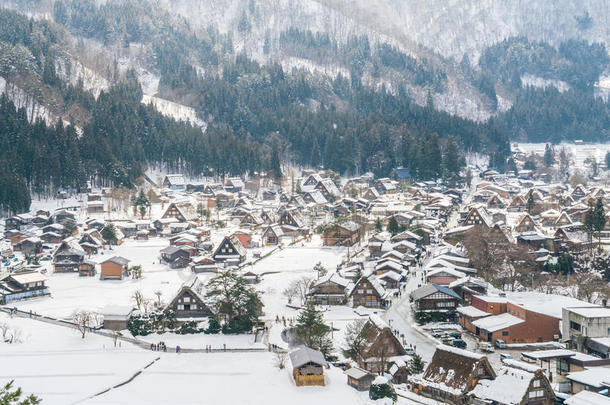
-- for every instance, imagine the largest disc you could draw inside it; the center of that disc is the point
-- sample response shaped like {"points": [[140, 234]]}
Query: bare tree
{"points": [[4, 330], [158, 293], [355, 338], [281, 358], [302, 287], [85, 320], [291, 292], [140, 300], [486, 249]]}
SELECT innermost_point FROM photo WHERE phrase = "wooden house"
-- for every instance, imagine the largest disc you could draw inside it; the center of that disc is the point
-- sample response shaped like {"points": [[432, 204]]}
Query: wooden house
{"points": [[329, 290], [525, 224], [183, 212], [451, 375], [359, 379], [368, 292], [371, 194], [114, 268], [342, 234], [292, 218], [68, 256], [175, 256], [174, 182], [31, 246], [22, 285], [272, 235], [477, 217], [307, 367], [252, 220], [63, 217], [435, 297], [230, 250], [86, 269], [328, 189], [494, 202], [516, 384], [234, 185], [188, 303], [381, 347], [517, 204]]}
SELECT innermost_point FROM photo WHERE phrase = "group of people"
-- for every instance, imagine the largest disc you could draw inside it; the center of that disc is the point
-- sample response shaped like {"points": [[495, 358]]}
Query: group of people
{"points": [[159, 347]]}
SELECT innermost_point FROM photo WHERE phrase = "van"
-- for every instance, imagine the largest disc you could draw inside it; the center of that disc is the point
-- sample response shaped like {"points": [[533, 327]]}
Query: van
{"points": [[486, 347], [505, 356], [500, 344]]}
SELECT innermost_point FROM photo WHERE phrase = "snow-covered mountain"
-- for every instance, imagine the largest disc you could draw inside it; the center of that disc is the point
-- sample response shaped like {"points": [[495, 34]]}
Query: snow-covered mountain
{"points": [[438, 31]]}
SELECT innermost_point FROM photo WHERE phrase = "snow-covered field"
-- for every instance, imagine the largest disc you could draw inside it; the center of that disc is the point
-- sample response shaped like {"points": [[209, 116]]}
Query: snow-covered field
{"points": [[579, 152], [56, 364], [71, 292], [227, 378]]}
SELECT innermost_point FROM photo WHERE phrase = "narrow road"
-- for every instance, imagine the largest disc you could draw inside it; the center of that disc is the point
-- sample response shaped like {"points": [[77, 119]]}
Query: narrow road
{"points": [[400, 317]]}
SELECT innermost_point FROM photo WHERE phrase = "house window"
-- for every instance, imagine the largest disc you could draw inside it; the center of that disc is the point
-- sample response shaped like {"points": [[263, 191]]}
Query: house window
{"points": [[575, 326], [537, 383], [480, 370], [187, 299], [360, 291], [369, 291], [180, 307]]}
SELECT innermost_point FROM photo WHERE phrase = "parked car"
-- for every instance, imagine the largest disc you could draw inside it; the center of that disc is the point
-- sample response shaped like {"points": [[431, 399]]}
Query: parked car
{"points": [[456, 335], [459, 343], [409, 351], [527, 359], [437, 333], [500, 344], [505, 356], [486, 347]]}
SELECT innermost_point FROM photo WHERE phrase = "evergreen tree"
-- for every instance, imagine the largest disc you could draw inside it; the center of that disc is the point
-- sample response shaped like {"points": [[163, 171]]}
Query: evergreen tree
{"points": [[108, 232], [276, 165], [599, 218], [393, 226], [451, 161], [416, 365], [549, 155], [233, 300], [312, 331], [10, 396], [531, 203], [590, 221], [141, 203], [378, 225]]}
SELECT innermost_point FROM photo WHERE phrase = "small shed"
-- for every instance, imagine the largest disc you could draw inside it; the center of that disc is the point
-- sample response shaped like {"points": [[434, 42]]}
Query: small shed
{"points": [[307, 366], [114, 268], [359, 378]]}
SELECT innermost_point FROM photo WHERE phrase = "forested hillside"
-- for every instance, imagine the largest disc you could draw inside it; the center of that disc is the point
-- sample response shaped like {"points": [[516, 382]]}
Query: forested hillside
{"points": [[347, 96]]}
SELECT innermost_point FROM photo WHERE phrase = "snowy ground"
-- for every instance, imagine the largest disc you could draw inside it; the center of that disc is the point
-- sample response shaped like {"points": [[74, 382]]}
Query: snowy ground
{"points": [[227, 378], [579, 152], [56, 364], [70, 292]]}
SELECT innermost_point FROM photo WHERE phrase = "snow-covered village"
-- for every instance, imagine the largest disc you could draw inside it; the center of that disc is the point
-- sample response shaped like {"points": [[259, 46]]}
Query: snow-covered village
{"points": [[304, 202], [318, 289]]}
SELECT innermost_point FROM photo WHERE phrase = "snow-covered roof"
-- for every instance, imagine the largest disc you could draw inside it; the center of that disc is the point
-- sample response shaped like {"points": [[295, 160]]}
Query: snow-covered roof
{"points": [[509, 387], [472, 312], [304, 355], [591, 312], [594, 376], [27, 278], [497, 322], [587, 398]]}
